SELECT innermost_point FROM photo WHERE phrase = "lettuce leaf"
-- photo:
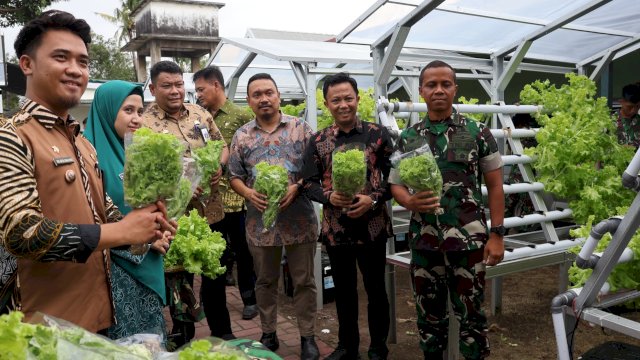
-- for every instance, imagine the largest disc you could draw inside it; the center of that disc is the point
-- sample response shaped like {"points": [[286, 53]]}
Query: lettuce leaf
{"points": [[421, 173], [196, 247], [153, 167], [272, 181], [208, 161], [349, 171]]}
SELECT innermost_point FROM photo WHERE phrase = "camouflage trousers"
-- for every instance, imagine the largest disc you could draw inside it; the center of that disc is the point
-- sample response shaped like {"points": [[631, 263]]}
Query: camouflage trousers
{"points": [[458, 276]]}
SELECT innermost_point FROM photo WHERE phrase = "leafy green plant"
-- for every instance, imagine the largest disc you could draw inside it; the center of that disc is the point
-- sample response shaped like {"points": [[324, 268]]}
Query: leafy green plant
{"points": [[272, 181], [195, 247], [208, 161], [349, 171], [177, 204], [202, 350], [153, 167], [483, 118], [578, 157], [421, 173]]}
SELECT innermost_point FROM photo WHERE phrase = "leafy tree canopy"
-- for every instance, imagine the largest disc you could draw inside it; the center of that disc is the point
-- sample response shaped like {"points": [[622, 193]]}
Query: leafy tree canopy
{"points": [[18, 12], [107, 62]]}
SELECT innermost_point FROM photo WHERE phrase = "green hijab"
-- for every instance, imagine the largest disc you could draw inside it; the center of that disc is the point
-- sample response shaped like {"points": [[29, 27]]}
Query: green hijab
{"points": [[101, 132]]}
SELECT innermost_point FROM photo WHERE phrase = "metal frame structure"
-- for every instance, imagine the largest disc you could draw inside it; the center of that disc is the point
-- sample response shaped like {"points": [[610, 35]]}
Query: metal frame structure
{"points": [[591, 301]]}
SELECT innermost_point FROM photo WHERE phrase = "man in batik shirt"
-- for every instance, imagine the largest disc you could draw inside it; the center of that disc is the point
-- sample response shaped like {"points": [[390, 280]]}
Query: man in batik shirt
{"points": [[277, 139], [355, 238]]}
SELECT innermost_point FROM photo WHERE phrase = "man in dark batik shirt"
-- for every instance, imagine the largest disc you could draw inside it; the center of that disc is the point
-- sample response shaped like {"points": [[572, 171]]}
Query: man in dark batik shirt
{"points": [[359, 235]]}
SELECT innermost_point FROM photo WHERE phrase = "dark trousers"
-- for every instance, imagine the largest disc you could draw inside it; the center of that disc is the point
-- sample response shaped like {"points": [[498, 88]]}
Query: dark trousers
{"points": [[232, 228], [456, 276], [370, 259]]}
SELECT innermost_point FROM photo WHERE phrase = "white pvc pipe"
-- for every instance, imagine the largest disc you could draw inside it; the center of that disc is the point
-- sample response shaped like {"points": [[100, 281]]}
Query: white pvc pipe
{"points": [[516, 159], [529, 219], [518, 188], [625, 257], [389, 123], [604, 290], [469, 108], [634, 166], [588, 248], [513, 133], [541, 249]]}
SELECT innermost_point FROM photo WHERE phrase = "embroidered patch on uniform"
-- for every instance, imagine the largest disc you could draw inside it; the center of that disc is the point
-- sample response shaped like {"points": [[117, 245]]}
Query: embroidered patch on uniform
{"points": [[64, 160]]}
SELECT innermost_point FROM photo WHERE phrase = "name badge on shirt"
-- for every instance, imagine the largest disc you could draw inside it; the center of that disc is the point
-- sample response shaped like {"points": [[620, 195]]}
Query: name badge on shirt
{"points": [[202, 130], [64, 160]]}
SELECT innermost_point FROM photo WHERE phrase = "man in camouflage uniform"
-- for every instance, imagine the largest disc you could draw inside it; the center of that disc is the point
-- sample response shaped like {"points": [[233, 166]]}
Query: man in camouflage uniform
{"points": [[449, 252], [628, 124], [193, 126], [228, 117]]}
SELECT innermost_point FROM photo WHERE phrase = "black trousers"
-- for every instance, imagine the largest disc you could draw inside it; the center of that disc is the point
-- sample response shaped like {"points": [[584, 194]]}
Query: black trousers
{"points": [[232, 228], [370, 258]]}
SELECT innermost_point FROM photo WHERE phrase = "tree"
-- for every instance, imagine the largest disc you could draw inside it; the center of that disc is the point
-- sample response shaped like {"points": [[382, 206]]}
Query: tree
{"points": [[126, 26], [18, 12], [108, 62]]}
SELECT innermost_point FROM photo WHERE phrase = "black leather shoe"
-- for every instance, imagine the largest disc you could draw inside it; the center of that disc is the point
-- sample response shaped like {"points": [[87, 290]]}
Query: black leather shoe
{"points": [[341, 353], [378, 353], [270, 340], [309, 349], [249, 312]]}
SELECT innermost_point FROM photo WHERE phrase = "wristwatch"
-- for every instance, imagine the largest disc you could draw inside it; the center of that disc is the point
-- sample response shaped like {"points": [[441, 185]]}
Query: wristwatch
{"points": [[500, 230], [374, 203]]}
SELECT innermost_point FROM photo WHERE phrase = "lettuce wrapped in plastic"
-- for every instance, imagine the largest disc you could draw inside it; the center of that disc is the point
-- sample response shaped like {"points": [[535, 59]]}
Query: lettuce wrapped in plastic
{"points": [[208, 160], [206, 350], [153, 167], [419, 171], [349, 171], [196, 248], [272, 181], [177, 204]]}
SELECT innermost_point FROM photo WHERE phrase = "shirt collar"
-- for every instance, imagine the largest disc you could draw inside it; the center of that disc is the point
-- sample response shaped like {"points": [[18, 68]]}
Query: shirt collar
{"points": [[225, 108], [359, 128], [47, 118], [163, 114], [284, 119], [454, 119]]}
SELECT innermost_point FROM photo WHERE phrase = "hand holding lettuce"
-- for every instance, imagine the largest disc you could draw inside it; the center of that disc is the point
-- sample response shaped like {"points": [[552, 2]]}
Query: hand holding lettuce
{"points": [[418, 170], [272, 181]]}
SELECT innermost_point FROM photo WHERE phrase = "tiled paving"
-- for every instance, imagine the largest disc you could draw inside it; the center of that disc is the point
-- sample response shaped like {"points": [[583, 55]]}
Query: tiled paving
{"points": [[250, 329]]}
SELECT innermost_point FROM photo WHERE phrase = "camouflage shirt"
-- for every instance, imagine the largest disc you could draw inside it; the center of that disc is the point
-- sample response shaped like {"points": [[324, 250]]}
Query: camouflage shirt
{"points": [[184, 128], [230, 118], [463, 150], [628, 130]]}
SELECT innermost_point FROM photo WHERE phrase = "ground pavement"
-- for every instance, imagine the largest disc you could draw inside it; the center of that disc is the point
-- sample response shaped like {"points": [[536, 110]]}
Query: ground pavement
{"points": [[250, 329]]}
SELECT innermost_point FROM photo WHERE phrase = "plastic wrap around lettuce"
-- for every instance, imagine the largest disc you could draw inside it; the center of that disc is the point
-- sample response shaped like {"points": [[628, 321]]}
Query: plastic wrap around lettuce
{"points": [[349, 170], [56, 339], [196, 248], [419, 171], [208, 160], [272, 181], [153, 167]]}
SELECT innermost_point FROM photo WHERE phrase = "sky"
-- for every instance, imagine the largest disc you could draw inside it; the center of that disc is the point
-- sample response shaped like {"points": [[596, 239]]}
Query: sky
{"points": [[326, 16]]}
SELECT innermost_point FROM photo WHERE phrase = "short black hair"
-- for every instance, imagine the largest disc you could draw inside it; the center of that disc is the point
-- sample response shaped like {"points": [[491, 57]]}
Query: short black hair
{"points": [[165, 66], [437, 64], [209, 73], [339, 78], [261, 76], [631, 93], [30, 35]]}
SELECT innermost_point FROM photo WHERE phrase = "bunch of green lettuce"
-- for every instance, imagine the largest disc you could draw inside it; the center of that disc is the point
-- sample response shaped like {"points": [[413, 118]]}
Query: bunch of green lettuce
{"points": [[624, 276], [208, 161], [272, 181], [349, 173], [421, 173], [20, 340], [196, 247], [202, 350], [177, 204], [152, 168]]}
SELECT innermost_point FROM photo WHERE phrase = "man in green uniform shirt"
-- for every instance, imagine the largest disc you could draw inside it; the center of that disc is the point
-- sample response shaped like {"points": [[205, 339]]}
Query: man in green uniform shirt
{"points": [[449, 251], [228, 117], [628, 124]]}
